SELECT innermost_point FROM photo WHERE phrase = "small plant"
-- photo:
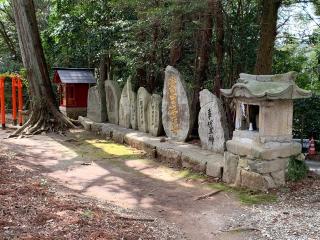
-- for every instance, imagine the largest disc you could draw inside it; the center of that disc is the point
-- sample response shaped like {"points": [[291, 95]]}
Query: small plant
{"points": [[297, 169]]}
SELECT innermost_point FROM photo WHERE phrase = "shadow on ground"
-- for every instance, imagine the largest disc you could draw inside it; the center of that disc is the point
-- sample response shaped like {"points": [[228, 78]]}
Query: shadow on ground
{"points": [[125, 177]]}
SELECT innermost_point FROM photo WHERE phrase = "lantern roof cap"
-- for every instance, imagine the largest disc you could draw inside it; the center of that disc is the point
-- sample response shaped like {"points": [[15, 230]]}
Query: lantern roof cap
{"points": [[266, 87]]}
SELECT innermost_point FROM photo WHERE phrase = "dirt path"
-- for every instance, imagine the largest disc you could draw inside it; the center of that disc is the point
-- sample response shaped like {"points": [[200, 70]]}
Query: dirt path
{"points": [[123, 176]]}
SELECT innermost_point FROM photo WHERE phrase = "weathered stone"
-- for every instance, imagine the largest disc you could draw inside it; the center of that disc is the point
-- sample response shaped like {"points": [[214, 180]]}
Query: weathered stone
{"points": [[176, 115], [215, 167], [253, 180], [230, 167], [213, 130], [269, 166], [85, 122], [267, 151], [113, 94], [133, 110], [125, 106], [154, 115], [169, 155], [143, 99], [95, 110], [279, 178], [96, 127], [269, 181], [107, 130]]}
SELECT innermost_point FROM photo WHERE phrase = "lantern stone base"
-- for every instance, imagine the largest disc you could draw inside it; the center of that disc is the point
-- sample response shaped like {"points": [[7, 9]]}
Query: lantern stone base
{"points": [[258, 166], [73, 113]]}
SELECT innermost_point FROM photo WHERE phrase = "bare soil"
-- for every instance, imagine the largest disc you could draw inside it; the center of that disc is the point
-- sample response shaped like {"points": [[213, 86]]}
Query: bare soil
{"points": [[80, 165]]}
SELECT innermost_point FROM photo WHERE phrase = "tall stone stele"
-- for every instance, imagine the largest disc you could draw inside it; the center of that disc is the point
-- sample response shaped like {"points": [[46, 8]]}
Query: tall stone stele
{"points": [[143, 98], [213, 130], [96, 110], [176, 115], [258, 154], [113, 94], [125, 105], [155, 116]]}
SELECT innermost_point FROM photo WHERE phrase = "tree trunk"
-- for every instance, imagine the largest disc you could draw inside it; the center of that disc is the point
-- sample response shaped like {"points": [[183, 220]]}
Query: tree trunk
{"points": [[268, 35], [45, 115], [219, 45], [203, 49], [176, 30]]}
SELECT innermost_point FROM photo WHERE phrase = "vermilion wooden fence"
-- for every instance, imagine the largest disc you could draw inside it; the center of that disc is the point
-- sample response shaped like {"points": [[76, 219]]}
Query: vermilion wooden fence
{"points": [[16, 85]]}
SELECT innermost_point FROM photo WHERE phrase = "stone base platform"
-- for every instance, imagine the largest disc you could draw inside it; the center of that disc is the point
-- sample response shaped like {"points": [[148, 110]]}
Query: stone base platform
{"points": [[177, 154]]}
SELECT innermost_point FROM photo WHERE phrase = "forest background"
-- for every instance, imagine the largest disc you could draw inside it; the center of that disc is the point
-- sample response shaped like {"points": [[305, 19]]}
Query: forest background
{"points": [[210, 42]]}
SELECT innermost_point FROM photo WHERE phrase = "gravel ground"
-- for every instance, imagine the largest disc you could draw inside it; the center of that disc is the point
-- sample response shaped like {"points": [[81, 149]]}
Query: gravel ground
{"points": [[295, 216]]}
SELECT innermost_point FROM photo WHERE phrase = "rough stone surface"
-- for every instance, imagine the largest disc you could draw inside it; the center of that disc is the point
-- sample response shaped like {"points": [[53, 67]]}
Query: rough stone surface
{"points": [[268, 166], [230, 167], [133, 110], [95, 110], [176, 115], [213, 131], [169, 155], [215, 167], [143, 99], [125, 106], [113, 94], [155, 115], [279, 178], [251, 180]]}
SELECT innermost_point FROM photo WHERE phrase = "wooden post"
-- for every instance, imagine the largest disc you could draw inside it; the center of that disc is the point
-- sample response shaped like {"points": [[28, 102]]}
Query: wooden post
{"points": [[14, 100], [20, 101], [3, 104]]}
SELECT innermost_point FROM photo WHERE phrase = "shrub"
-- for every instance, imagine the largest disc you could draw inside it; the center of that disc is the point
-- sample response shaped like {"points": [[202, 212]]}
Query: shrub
{"points": [[297, 169]]}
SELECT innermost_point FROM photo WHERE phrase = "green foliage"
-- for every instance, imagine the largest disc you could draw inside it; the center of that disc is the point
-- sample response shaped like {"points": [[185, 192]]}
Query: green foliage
{"points": [[306, 122], [297, 170]]}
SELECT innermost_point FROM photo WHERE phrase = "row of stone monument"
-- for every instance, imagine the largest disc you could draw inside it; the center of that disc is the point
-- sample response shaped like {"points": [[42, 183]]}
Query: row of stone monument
{"points": [[157, 115]]}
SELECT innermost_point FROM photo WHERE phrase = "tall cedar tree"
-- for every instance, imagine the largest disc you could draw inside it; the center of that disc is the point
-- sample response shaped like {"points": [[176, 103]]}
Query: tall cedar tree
{"points": [[268, 35], [45, 114]]}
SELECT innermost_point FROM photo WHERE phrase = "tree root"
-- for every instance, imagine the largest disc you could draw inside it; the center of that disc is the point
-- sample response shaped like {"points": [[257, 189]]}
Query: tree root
{"points": [[42, 120]]}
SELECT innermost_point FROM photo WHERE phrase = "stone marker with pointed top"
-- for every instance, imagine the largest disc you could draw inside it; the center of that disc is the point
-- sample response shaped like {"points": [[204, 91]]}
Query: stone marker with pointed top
{"points": [[143, 98], [176, 115], [125, 106], [95, 110], [155, 116], [113, 94], [213, 131]]}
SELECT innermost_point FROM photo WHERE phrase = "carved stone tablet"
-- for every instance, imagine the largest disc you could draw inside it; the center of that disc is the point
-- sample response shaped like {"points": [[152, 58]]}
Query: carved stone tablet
{"points": [[95, 111], [213, 131], [112, 99], [155, 116], [176, 117], [143, 99], [125, 106]]}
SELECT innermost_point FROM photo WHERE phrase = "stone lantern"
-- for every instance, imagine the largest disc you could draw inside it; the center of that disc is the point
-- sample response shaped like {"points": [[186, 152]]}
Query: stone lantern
{"points": [[258, 154]]}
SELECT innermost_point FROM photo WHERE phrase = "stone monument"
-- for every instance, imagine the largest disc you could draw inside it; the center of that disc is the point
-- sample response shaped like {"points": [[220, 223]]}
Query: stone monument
{"points": [[176, 115], [258, 154], [113, 94], [95, 110], [155, 116], [143, 99], [213, 130], [125, 106]]}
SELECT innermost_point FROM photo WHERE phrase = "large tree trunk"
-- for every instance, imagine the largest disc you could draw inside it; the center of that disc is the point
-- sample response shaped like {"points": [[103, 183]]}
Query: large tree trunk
{"points": [[45, 114], [177, 27], [203, 50], [267, 36], [219, 45]]}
